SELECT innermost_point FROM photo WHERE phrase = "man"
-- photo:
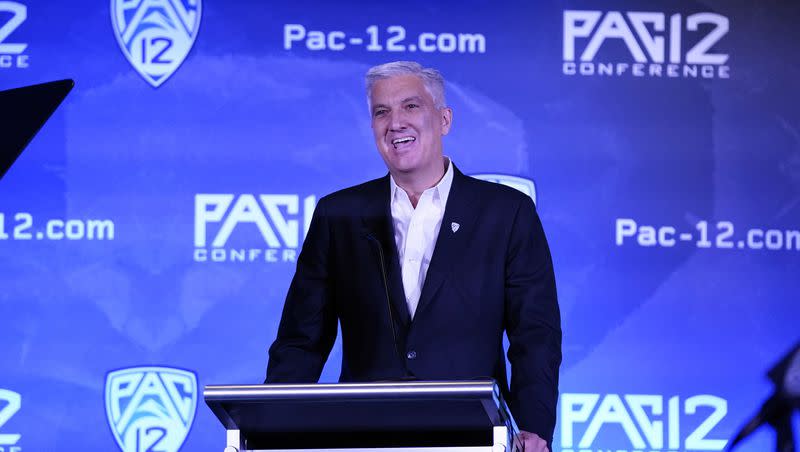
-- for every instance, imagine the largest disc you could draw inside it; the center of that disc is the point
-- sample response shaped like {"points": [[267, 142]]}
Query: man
{"points": [[425, 268]]}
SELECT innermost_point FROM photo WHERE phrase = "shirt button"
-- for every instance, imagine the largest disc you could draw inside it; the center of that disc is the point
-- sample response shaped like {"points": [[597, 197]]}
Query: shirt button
{"points": [[411, 355]]}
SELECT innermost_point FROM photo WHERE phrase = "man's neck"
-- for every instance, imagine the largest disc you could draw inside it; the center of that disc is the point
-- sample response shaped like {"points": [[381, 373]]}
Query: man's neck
{"points": [[415, 184]]}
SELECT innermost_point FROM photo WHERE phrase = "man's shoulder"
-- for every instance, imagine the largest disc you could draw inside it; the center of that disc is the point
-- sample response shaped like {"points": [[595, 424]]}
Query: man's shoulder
{"points": [[357, 196]]}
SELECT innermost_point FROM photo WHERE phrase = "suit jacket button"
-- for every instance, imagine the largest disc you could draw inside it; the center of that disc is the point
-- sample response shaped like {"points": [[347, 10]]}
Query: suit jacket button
{"points": [[411, 355]]}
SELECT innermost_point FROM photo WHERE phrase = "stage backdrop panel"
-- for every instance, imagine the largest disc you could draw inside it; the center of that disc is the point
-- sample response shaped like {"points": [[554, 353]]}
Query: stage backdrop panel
{"points": [[149, 233]]}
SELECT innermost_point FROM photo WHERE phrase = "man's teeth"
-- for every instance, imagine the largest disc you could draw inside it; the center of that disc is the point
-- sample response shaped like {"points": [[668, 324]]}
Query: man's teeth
{"points": [[402, 140]]}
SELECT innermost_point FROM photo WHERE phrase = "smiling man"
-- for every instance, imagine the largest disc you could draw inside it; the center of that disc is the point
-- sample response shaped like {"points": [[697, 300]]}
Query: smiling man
{"points": [[425, 268], [408, 124]]}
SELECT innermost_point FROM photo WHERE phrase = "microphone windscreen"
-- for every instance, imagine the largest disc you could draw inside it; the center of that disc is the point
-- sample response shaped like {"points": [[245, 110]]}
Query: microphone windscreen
{"points": [[791, 381]]}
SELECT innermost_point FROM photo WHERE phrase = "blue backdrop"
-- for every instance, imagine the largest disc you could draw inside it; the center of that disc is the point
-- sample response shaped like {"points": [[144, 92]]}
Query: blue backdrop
{"points": [[154, 221]]}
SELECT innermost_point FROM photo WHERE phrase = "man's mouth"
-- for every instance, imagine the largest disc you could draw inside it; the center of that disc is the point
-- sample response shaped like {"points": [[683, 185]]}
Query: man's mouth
{"points": [[401, 141]]}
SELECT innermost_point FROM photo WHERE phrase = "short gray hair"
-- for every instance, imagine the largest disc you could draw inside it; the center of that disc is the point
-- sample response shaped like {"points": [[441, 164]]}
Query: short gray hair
{"points": [[431, 78]]}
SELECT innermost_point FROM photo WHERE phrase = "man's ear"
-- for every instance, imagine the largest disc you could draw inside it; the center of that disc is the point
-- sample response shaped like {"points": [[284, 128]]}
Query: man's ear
{"points": [[446, 114]]}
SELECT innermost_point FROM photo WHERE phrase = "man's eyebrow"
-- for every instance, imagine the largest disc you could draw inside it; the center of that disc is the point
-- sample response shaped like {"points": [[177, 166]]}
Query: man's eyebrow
{"points": [[407, 99]]}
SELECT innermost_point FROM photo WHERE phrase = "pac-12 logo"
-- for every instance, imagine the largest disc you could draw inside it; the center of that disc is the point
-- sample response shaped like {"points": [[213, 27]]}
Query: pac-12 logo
{"points": [[526, 186], [12, 54], [150, 408], [667, 46], [10, 403], [250, 228], [155, 35], [638, 422]]}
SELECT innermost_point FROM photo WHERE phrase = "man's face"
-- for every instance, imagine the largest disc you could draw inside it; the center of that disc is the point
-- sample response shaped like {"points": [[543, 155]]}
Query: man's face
{"points": [[407, 125]]}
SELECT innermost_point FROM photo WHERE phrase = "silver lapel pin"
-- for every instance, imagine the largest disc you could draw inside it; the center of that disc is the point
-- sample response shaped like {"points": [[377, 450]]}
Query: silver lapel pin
{"points": [[454, 226]]}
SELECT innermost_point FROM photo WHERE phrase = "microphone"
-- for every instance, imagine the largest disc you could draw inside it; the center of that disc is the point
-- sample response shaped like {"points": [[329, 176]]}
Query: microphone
{"points": [[778, 408], [378, 244], [787, 375]]}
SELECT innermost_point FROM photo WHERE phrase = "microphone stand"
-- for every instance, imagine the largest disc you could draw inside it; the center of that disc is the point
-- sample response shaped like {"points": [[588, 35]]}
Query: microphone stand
{"points": [[782, 423], [777, 410]]}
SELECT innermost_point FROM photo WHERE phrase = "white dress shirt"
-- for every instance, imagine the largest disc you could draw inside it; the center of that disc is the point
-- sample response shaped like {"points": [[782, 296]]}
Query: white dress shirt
{"points": [[415, 232]]}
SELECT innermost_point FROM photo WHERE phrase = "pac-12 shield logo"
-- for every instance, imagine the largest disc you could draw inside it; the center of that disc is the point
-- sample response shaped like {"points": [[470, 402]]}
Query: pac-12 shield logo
{"points": [[150, 408], [526, 186], [155, 35]]}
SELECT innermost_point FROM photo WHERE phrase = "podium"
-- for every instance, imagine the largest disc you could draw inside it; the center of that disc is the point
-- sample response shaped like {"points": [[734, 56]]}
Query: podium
{"points": [[418, 416]]}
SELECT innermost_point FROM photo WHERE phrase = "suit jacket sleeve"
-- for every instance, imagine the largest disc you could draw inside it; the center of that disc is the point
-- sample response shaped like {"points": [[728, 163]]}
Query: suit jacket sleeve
{"points": [[533, 324], [307, 329]]}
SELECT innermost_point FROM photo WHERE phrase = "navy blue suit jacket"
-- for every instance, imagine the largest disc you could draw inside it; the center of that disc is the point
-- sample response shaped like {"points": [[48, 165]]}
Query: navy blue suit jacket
{"points": [[493, 274]]}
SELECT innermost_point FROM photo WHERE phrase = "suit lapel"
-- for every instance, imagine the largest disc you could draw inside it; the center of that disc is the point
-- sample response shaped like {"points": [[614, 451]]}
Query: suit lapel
{"points": [[378, 223], [459, 214]]}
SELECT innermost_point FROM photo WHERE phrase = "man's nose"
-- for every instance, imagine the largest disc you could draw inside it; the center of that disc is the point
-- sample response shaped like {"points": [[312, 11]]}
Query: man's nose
{"points": [[397, 120]]}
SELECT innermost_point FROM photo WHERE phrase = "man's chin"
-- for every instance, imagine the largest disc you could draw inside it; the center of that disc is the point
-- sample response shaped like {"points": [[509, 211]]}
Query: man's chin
{"points": [[404, 156], [404, 163], [403, 172]]}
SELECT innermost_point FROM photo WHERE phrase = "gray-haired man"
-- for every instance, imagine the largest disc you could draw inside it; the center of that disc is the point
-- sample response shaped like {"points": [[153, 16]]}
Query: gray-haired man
{"points": [[459, 261]]}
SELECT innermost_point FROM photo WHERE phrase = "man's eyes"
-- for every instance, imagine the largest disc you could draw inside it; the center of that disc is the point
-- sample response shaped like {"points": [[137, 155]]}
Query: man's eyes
{"points": [[382, 111]]}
